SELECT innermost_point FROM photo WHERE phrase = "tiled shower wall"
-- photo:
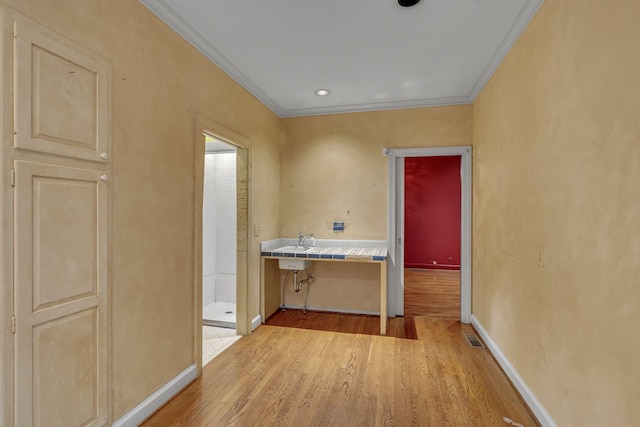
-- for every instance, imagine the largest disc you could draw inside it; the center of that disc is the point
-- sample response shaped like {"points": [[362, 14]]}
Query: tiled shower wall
{"points": [[209, 231], [219, 229], [226, 227]]}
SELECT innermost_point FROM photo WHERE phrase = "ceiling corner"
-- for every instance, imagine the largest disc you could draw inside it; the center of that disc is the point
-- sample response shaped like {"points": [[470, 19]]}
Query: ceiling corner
{"points": [[528, 11]]}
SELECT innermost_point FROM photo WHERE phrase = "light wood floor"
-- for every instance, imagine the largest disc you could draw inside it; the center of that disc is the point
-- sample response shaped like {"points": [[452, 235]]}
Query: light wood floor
{"points": [[432, 293], [281, 376]]}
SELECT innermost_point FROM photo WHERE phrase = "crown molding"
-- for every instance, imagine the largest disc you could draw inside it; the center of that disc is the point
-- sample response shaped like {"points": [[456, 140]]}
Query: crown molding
{"points": [[376, 106], [184, 29], [525, 15]]}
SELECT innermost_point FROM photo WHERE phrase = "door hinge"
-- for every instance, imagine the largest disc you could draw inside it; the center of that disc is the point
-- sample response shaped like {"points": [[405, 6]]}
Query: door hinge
{"points": [[13, 324], [13, 177]]}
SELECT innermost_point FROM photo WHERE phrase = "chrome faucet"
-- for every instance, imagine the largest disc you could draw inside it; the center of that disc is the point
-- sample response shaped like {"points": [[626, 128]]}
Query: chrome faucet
{"points": [[302, 238]]}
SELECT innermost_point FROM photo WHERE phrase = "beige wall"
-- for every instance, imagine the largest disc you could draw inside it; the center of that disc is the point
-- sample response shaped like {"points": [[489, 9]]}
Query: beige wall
{"points": [[159, 84], [341, 286], [556, 137], [332, 166]]}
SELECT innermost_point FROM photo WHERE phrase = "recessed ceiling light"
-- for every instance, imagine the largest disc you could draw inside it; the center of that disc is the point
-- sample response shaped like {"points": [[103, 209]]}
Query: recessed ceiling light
{"points": [[322, 92], [408, 3]]}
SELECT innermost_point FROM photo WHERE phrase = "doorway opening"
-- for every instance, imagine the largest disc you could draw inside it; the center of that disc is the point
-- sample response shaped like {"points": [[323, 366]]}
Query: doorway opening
{"points": [[214, 281], [398, 234], [219, 234], [432, 190]]}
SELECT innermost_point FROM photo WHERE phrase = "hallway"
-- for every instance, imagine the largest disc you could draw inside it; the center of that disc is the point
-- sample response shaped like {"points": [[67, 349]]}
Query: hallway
{"points": [[281, 376]]}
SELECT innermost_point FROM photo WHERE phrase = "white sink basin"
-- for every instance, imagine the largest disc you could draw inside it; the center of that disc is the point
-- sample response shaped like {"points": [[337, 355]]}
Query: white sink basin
{"points": [[296, 264], [294, 249]]}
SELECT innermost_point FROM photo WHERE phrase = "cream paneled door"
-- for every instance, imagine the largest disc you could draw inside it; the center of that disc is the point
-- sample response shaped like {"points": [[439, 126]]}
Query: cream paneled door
{"points": [[61, 274], [60, 148], [62, 95]]}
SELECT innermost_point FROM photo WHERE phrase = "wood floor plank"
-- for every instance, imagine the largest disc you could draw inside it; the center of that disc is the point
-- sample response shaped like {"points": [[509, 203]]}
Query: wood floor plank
{"points": [[282, 376], [434, 293]]}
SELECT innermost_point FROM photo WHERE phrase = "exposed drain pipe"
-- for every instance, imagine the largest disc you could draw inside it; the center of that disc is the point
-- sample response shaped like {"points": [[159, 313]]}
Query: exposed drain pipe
{"points": [[297, 287]]}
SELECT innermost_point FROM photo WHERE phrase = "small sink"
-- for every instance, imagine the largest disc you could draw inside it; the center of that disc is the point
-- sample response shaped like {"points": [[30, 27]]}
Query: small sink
{"points": [[296, 264], [294, 249]]}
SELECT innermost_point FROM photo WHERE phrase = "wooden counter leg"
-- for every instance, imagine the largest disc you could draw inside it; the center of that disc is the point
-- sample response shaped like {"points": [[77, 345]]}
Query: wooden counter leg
{"points": [[383, 298], [263, 272]]}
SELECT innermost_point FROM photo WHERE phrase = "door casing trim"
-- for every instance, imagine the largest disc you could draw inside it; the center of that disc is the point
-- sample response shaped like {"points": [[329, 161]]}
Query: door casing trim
{"points": [[243, 323], [394, 282]]}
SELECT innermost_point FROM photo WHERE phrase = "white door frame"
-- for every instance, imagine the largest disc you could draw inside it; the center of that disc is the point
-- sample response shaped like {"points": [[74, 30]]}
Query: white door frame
{"points": [[395, 229]]}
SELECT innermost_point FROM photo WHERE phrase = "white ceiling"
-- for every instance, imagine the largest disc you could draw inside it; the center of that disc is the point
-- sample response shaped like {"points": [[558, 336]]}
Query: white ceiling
{"points": [[371, 54]]}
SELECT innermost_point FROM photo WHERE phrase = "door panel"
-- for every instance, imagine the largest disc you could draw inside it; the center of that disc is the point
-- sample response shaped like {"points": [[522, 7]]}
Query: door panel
{"points": [[61, 103], [395, 272], [60, 294], [64, 361], [64, 252], [400, 237]]}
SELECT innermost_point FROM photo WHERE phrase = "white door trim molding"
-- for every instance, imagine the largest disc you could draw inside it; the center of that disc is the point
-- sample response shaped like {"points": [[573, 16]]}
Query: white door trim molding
{"points": [[465, 223], [531, 400]]}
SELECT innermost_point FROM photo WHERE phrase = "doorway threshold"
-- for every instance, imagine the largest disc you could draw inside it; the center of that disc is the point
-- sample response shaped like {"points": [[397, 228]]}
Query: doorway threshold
{"points": [[219, 323]]}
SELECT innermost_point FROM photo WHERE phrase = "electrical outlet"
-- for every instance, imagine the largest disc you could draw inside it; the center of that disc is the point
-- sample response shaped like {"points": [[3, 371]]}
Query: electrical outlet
{"points": [[540, 256], [541, 357]]}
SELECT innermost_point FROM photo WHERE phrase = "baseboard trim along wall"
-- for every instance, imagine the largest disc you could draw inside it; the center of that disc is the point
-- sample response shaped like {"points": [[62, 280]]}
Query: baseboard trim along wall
{"points": [[255, 322], [152, 403], [534, 404], [333, 310]]}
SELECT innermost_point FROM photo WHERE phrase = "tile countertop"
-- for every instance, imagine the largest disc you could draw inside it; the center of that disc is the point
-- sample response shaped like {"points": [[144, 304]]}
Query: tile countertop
{"points": [[374, 250]]}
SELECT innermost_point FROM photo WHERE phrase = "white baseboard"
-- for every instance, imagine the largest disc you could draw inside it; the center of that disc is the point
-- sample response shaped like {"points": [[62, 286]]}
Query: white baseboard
{"points": [[534, 404], [152, 403], [333, 310], [255, 322]]}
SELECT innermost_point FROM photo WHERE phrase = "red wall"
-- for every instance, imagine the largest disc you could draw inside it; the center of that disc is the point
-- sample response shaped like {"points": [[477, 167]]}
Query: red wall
{"points": [[432, 212]]}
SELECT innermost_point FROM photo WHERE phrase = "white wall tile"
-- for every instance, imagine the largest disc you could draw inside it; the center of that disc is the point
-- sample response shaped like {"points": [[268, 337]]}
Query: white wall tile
{"points": [[226, 229], [209, 227], [225, 214], [227, 201], [219, 228], [226, 263], [226, 287], [208, 289], [228, 243]]}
